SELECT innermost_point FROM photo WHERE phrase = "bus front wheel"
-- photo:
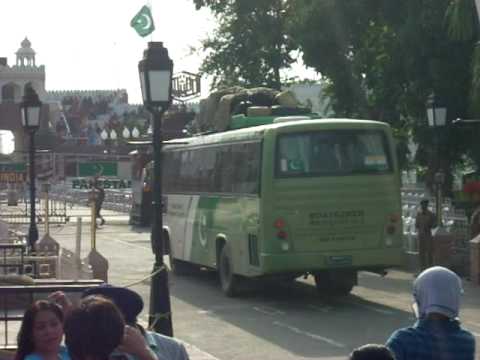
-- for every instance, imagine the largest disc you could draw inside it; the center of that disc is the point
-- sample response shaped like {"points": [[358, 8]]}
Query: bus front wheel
{"points": [[337, 283], [228, 280]]}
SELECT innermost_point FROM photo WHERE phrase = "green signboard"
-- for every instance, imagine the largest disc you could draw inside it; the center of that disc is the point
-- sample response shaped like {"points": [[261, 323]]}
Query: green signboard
{"points": [[13, 167], [102, 168]]}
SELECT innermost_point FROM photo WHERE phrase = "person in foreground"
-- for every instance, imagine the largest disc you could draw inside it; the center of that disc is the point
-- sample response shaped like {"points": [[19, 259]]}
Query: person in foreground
{"points": [[137, 339], [437, 334], [371, 352], [41, 333], [94, 329]]}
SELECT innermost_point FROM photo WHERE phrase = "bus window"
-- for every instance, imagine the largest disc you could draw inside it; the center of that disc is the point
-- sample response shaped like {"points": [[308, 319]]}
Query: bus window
{"points": [[246, 160], [333, 152]]}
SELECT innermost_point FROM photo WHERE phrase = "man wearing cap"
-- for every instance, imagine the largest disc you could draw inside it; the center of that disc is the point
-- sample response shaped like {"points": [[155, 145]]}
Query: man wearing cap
{"points": [[131, 304], [425, 221], [437, 334]]}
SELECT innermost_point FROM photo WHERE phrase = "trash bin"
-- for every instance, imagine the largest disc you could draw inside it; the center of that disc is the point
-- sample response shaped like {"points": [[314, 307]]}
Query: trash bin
{"points": [[12, 198]]}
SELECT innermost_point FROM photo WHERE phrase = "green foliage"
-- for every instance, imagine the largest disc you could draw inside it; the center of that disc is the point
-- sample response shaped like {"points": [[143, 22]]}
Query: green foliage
{"points": [[250, 46], [461, 19]]}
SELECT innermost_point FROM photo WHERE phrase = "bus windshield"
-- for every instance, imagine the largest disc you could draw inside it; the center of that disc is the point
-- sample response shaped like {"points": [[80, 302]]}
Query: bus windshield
{"points": [[332, 152]]}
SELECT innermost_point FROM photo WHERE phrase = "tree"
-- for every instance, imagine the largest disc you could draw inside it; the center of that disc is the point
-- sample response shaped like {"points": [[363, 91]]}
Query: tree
{"points": [[250, 47], [383, 58]]}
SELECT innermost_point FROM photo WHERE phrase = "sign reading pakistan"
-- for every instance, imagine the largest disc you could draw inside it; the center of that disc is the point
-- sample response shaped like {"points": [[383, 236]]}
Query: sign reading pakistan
{"points": [[106, 184]]}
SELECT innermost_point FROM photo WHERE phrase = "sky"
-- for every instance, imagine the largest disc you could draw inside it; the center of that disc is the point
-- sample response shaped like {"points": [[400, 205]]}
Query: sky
{"points": [[89, 44]]}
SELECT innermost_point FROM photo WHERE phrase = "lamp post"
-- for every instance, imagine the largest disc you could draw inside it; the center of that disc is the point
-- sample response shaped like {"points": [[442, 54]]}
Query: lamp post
{"points": [[437, 119], [156, 82], [30, 111]]}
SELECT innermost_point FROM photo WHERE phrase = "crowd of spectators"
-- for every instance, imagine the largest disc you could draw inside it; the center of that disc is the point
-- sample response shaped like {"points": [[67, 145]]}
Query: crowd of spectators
{"points": [[103, 326]]}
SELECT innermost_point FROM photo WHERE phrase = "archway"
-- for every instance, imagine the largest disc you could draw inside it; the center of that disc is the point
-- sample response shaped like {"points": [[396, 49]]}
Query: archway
{"points": [[11, 92]]}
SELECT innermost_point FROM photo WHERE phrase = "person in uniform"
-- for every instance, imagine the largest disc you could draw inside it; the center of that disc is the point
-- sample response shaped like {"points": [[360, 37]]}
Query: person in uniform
{"points": [[99, 199], [425, 221]]}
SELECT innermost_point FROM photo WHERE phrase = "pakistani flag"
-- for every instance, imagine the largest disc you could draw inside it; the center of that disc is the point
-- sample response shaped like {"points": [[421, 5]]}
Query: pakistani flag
{"points": [[143, 22]]}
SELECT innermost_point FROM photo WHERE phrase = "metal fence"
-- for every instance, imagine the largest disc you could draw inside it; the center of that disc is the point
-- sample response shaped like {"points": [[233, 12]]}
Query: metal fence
{"points": [[15, 299]]}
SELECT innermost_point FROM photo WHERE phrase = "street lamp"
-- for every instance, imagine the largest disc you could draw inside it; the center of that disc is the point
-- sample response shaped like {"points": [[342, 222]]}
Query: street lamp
{"points": [[437, 119], [155, 71], [30, 111]]}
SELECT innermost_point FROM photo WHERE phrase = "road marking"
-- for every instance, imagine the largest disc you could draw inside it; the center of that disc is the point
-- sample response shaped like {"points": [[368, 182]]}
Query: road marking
{"points": [[310, 335], [130, 244], [205, 312], [324, 309], [268, 311], [472, 323]]}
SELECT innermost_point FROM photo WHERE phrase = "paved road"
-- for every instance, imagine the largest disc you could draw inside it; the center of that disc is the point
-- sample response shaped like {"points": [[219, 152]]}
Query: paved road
{"points": [[273, 321]]}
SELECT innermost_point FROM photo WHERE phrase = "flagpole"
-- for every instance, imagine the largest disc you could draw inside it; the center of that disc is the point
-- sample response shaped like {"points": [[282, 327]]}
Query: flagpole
{"points": [[149, 4]]}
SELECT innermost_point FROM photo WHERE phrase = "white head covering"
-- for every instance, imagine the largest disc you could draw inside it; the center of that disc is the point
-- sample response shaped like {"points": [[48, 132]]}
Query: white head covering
{"points": [[438, 290]]}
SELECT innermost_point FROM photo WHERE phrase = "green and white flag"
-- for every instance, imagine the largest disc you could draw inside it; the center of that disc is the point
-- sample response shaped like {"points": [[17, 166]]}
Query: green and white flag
{"points": [[143, 22]]}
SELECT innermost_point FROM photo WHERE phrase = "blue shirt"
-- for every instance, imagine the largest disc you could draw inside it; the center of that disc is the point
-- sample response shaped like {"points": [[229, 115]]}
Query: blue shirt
{"points": [[164, 348], [62, 355], [432, 339]]}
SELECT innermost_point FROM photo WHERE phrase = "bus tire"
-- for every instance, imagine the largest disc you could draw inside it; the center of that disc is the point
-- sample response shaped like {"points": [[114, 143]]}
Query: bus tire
{"points": [[228, 280], [336, 283]]}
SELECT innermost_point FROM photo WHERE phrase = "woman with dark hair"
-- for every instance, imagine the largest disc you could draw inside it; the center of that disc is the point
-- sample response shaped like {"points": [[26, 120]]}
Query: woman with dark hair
{"points": [[41, 333], [94, 329]]}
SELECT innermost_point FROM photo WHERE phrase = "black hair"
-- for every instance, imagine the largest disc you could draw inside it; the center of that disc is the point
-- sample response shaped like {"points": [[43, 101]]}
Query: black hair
{"points": [[25, 345], [94, 329], [371, 352]]}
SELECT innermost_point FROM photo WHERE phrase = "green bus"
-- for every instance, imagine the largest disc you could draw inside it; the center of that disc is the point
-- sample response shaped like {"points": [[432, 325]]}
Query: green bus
{"points": [[295, 197]]}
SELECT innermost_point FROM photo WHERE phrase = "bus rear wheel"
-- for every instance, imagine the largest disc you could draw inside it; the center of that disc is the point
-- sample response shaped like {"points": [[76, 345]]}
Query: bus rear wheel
{"points": [[228, 280], [337, 283]]}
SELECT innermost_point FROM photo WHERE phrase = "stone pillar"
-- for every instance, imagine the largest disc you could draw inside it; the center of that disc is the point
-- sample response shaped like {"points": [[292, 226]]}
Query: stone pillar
{"points": [[99, 265], [443, 242], [475, 260]]}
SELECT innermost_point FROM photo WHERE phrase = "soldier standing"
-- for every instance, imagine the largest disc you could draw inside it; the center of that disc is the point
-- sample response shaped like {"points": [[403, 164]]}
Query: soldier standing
{"points": [[99, 198], [424, 223]]}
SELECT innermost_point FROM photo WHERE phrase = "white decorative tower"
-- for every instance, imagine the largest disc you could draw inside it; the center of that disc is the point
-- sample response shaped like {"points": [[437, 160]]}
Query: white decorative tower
{"points": [[13, 79], [26, 55]]}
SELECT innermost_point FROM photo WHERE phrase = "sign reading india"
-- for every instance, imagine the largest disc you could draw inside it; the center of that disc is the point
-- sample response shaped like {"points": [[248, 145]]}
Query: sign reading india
{"points": [[103, 168], [12, 172], [106, 183]]}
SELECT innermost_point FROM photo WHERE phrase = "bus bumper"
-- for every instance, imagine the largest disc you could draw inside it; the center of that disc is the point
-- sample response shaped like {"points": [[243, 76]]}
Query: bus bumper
{"points": [[310, 262]]}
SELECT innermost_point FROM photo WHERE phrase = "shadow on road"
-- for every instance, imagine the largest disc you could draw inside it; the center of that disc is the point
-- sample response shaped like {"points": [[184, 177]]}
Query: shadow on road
{"points": [[294, 316]]}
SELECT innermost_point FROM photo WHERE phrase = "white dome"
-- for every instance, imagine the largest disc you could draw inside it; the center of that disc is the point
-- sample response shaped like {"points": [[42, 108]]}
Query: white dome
{"points": [[26, 48]]}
